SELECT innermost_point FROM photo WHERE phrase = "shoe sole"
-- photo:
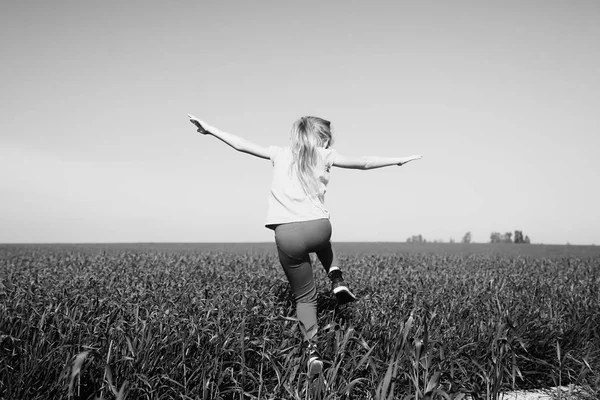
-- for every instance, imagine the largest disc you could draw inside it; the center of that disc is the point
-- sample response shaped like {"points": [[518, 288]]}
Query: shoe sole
{"points": [[315, 367], [343, 295]]}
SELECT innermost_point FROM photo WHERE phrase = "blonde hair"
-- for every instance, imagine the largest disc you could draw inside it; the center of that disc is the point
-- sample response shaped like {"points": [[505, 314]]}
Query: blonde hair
{"points": [[307, 134]]}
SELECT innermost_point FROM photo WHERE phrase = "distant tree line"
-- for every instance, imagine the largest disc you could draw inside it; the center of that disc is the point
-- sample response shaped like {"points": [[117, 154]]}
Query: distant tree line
{"points": [[495, 237], [420, 239], [416, 239]]}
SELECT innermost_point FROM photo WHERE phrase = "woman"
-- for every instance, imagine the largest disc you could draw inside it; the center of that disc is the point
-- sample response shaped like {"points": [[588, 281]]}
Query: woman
{"points": [[297, 212]]}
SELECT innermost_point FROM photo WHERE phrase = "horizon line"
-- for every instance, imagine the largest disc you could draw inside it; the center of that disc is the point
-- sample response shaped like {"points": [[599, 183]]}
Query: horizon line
{"points": [[273, 243]]}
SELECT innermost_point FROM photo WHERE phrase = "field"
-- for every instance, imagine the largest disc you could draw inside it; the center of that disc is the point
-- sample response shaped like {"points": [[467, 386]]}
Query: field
{"points": [[215, 321]]}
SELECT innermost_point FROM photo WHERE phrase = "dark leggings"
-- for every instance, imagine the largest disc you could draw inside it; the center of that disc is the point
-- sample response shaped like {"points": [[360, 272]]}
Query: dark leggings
{"points": [[295, 241]]}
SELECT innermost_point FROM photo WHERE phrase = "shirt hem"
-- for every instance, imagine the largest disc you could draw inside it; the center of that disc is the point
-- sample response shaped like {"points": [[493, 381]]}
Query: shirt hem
{"points": [[271, 224]]}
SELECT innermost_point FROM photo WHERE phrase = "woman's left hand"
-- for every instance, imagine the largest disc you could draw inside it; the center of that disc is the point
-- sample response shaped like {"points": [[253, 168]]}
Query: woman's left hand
{"points": [[202, 126]]}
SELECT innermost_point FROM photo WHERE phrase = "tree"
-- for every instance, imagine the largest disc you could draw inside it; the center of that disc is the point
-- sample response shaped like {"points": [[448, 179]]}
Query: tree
{"points": [[416, 239], [451, 240], [519, 237], [495, 237], [467, 238]]}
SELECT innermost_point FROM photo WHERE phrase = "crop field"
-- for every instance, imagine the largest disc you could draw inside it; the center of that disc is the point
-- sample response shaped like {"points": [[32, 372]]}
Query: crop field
{"points": [[202, 322]]}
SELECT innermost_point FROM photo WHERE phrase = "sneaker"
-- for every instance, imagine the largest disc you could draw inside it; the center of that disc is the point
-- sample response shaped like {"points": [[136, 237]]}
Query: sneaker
{"points": [[341, 291], [314, 365]]}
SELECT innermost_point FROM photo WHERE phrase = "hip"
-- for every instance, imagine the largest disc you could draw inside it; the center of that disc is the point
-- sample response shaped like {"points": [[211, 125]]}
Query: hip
{"points": [[308, 235]]}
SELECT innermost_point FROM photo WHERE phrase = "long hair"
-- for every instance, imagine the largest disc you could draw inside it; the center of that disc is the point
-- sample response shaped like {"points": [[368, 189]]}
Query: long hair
{"points": [[307, 134]]}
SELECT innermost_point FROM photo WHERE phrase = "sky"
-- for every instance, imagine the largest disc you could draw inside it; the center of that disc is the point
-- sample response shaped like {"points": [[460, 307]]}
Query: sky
{"points": [[501, 99]]}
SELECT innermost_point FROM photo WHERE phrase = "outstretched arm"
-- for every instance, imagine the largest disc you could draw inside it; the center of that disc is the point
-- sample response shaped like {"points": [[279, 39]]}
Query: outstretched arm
{"points": [[371, 162], [238, 143]]}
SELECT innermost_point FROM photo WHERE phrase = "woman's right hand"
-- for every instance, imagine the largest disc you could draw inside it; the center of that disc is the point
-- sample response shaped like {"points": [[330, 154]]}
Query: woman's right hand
{"points": [[411, 158], [202, 126]]}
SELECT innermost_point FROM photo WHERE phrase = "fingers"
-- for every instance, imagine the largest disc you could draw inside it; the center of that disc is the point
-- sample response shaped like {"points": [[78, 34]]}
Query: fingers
{"points": [[192, 118], [410, 158], [196, 122]]}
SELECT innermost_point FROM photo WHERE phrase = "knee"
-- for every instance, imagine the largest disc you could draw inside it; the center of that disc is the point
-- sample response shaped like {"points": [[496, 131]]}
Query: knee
{"points": [[310, 297]]}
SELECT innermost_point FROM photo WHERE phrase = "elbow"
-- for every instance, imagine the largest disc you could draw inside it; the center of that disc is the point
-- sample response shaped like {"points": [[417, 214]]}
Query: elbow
{"points": [[238, 145], [367, 163]]}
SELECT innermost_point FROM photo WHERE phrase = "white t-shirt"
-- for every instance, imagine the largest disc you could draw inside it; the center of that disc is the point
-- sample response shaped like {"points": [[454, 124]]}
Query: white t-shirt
{"points": [[287, 201]]}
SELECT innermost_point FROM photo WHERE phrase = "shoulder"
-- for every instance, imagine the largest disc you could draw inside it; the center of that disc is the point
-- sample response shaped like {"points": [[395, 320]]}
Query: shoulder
{"points": [[276, 151], [328, 155]]}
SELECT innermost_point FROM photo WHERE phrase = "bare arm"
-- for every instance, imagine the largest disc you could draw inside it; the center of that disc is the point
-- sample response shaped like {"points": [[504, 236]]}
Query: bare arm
{"points": [[371, 162], [237, 142]]}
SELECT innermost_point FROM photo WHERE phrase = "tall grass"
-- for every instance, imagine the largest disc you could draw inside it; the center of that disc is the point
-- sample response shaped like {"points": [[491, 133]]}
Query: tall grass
{"points": [[214, 325]]}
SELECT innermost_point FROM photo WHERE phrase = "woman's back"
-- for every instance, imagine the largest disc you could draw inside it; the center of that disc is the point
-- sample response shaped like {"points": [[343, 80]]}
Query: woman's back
{"points": [[288, 199]]}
